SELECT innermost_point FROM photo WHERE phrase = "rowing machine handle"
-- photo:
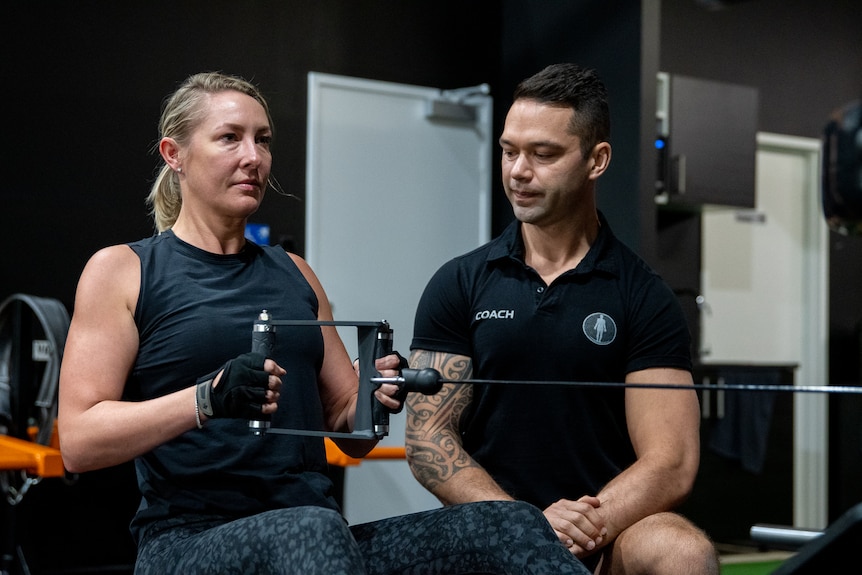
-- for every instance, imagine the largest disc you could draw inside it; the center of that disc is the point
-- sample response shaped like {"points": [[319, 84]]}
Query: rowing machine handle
{"points": [[379, 412], [263, 342]]}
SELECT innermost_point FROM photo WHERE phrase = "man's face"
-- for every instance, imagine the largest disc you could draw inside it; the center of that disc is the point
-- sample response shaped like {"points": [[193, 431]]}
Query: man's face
{"points": [[545, 174]]}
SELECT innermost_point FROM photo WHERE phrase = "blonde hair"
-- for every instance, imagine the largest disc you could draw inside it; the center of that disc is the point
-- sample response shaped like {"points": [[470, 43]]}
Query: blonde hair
{"points": [[182, 113]]}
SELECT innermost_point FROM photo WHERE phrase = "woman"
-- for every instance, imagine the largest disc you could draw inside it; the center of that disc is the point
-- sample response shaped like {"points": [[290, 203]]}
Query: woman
{"points": [[157, 369]]}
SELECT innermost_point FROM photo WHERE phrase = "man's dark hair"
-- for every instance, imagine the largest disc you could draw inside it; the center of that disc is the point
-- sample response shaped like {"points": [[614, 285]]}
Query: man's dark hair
{"points": [[569, 85]]}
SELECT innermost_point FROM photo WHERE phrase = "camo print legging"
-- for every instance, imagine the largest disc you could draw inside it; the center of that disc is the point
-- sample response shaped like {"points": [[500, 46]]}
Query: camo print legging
{"points": [[480, 538]]}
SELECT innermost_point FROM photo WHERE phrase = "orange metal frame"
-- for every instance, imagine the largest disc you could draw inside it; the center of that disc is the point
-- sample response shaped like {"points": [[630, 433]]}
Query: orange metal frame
{"points": [[336, 457], [34, 458], [46, 461]]}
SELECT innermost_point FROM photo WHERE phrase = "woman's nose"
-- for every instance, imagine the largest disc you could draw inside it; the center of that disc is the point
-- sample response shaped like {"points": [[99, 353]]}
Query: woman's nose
{"points": [[250, 153]]}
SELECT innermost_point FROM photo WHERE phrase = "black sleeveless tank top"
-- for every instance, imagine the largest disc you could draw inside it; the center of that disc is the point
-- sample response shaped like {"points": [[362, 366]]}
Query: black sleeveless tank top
{"points": [[195, 311]]}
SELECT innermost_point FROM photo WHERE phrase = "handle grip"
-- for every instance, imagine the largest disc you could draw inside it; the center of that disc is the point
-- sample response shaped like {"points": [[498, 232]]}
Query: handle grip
{"points": [[379, 412], [263, 342]]}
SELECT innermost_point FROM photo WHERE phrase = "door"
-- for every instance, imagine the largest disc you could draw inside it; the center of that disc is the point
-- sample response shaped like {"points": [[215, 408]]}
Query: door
{"points": [[764, 277], [398, 182]]}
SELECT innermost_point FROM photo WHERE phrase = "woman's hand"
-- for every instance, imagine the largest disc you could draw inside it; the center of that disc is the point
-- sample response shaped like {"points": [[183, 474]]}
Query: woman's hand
{"points": [[388, 393]]}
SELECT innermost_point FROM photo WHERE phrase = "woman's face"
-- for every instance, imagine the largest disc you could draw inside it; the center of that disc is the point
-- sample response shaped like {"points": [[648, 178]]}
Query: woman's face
{"points": [[227, 163]]}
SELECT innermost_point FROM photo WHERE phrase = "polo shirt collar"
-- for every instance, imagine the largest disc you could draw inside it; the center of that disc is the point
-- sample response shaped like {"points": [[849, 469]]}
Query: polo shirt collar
{"points": [[602, 255]]}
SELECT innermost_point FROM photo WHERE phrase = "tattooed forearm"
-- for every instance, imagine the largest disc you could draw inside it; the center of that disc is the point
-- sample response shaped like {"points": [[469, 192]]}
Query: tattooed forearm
{"points": [[433, 443]]}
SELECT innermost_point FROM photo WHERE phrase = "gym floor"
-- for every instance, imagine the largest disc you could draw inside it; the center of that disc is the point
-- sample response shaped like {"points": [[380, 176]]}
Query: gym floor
{"points": [[752, 562]]}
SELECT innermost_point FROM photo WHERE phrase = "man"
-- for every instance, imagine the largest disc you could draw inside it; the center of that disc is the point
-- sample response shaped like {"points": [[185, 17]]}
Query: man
{"points": [[557, 298]]}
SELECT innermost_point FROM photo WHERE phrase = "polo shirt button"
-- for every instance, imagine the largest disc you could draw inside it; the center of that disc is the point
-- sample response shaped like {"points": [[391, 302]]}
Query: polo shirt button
{"points": [[540, 289]]}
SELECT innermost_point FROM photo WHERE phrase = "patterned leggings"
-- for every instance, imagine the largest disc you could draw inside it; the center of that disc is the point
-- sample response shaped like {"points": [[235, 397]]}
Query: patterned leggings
{"points": [[494, 537]]}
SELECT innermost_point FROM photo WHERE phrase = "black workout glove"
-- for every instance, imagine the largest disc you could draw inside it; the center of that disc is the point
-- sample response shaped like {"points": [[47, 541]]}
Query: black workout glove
{"points": [[240, 392]]}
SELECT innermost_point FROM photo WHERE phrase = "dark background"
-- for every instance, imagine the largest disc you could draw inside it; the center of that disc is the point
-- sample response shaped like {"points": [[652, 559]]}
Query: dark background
{"points": [[85, 80]]}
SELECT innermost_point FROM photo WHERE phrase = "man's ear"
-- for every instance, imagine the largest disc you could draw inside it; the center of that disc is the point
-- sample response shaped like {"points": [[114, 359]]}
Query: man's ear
{"points": [[601, 157], [170, 153]]}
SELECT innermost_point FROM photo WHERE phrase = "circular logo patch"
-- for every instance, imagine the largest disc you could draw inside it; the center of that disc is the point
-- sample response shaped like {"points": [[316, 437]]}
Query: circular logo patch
{"points": [[600, 328]]}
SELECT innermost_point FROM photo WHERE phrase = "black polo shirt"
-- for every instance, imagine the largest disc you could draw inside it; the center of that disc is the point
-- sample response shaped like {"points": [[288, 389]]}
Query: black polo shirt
{"points": [[609, 316]]}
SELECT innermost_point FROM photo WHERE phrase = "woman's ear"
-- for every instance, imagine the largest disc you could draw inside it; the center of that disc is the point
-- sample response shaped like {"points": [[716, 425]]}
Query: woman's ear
{"points": [[170, 153], [601, 156]]}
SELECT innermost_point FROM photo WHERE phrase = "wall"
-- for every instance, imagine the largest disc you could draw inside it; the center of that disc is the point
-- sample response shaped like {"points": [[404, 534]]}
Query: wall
{"points": [[608, 36], [805, 58], [86, 80]]}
